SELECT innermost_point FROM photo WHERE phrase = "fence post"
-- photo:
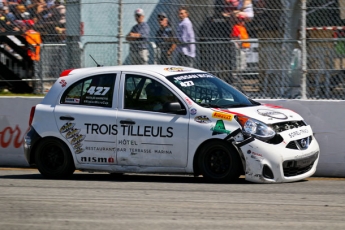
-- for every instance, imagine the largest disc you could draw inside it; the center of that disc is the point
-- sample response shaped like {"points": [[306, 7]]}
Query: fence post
{"points": [[304, 49], [119, 36]]}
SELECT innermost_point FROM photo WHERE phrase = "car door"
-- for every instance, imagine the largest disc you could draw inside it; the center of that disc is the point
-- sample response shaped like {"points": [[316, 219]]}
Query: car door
{"points": [[148, 136], [86, 118]]}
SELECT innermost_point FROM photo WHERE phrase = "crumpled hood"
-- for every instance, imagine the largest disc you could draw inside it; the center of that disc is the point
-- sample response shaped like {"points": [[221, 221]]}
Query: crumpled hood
{"points": [[266, 113]]}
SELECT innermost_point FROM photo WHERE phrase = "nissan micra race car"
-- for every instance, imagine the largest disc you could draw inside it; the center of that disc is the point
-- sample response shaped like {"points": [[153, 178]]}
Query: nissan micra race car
{"points": [[165, 119]]}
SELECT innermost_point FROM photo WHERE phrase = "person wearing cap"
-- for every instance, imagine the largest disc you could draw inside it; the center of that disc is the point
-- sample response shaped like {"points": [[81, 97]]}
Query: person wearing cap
{"points": [[186, 38], [138, 38], [239, 8], [164, 39]]}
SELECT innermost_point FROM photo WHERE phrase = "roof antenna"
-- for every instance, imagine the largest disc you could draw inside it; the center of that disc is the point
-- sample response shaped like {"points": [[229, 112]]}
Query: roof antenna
{"points": [[98, 65]]}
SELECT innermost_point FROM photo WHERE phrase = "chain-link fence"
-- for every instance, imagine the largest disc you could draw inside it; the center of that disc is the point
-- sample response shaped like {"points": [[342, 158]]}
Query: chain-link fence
{"points": [[295, 49]]}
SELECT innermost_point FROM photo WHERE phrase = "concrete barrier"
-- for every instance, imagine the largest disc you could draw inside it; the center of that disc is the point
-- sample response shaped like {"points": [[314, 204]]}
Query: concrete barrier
{"points": [[325, 117]]}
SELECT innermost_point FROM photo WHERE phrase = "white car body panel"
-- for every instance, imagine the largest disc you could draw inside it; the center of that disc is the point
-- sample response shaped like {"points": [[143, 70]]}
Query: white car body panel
{"points": [[101, 140]]}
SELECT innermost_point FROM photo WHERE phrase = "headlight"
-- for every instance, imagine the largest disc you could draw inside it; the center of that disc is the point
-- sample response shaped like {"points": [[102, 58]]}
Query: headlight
{"points": [[256, 128]]}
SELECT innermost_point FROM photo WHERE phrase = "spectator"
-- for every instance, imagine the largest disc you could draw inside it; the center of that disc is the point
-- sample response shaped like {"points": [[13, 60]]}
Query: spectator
{"points": [[6, 20], [239, 8], [34, 7], [138, 37], [22, 14], [239, 32], [164, 37], [186, 52], [50, 3], [9, 15], [34, 39]]}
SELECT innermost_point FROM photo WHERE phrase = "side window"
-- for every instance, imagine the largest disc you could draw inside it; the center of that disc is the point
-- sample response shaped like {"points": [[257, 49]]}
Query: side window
{"points": [[142, 93], [93, 91]]}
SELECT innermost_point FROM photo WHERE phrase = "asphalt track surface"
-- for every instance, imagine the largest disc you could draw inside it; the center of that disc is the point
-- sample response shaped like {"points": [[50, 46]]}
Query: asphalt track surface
{"points": [[99, 201]]}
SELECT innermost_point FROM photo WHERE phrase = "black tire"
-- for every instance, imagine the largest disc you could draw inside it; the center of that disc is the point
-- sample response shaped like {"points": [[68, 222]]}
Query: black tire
{"points": [[219, 162], [116, 175], [54, 159]]}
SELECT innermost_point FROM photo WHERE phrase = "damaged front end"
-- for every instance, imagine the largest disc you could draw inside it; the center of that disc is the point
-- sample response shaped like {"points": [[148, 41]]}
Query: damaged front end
{"points": [[278, 152]]}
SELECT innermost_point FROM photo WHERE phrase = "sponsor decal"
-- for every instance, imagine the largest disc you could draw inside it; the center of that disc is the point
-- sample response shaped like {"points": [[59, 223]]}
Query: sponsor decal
{"points": [[127, 142], [66, 127], [72, 100], [298, 133], [101, 149], [202, 119], [97, 159], [192, 76], [135, 150], [146, 131], [176, 69], [71, 133], [219, 128], [73, 136], [187, 83], [272, 114], [255, 155], [63, 83], [189, 101], [104, 129], [223, 116], [78, 150], [193, 111], [163, 151], [77, 139], [77, 146]]}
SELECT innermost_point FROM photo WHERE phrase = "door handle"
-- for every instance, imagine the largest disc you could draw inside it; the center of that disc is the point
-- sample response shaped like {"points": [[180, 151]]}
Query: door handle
{"points": [[127, 122], [64, 118]]}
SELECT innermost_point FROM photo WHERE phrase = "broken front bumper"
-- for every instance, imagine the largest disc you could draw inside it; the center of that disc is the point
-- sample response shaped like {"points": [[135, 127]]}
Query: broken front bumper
{"points": [[283, 162]]}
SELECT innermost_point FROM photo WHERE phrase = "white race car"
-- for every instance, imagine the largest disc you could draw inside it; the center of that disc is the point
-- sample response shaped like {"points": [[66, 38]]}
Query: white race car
{"points": [[165, 119]]}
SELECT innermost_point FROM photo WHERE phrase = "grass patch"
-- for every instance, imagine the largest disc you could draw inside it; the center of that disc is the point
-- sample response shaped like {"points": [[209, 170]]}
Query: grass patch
{"points": [[5, 92]]}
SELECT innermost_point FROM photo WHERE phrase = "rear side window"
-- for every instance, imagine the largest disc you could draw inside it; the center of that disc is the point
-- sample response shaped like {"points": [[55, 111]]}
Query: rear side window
{"points": [[93, 91]]}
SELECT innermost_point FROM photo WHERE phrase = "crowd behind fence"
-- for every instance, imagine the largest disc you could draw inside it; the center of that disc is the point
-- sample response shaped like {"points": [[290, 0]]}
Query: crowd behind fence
{"points": [[297, 47]]}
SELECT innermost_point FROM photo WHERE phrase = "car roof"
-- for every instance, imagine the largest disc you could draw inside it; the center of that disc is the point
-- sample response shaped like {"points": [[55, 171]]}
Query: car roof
{"points": [[164, 70], [73, 75]]}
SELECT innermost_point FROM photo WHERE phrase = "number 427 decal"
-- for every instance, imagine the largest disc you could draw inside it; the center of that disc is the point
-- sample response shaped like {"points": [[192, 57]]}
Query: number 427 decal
{"points": [[99, 90]]}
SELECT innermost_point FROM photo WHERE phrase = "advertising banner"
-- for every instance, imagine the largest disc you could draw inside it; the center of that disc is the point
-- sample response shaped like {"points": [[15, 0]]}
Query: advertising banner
{"points": [[14, 122], [325, 117]]}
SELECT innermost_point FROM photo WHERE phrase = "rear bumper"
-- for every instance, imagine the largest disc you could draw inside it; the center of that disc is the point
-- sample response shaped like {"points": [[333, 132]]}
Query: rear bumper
{"points": [[30, 139]]}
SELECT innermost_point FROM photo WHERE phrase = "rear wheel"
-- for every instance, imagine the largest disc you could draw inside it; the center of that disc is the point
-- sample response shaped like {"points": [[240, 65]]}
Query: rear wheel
{"points": [[54, 159], [219, 162]]}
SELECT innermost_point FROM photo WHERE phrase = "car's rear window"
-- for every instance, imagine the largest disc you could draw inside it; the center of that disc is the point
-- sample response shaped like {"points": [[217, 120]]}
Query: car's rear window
{"points": [[92, 91]]}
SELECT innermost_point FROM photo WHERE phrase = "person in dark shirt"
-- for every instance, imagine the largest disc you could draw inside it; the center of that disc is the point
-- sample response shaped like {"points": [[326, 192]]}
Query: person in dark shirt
{"points": [[138, 36], [164, 37]]}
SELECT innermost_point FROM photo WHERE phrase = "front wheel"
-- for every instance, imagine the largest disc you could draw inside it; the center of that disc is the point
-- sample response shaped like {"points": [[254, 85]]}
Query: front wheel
{"points": [[54, 159], [219, 162]]}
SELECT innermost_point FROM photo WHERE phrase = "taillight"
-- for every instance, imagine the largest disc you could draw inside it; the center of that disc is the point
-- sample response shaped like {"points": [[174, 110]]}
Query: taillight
{"points": [[65, 72], [32, 113]]}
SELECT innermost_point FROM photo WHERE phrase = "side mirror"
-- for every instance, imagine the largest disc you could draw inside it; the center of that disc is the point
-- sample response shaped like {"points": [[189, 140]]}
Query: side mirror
{"points": [[174, 107]]}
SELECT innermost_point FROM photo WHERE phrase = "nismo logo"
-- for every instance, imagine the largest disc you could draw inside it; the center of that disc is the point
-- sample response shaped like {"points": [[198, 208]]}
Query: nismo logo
{"points": [[97, 159]]}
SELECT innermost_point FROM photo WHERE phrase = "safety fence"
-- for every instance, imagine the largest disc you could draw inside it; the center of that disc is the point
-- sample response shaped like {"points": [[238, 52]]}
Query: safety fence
{"points": [[296, 47]]}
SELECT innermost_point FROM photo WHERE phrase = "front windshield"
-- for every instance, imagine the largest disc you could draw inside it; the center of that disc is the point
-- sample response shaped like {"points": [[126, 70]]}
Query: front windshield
{"points": [[209, 91]]}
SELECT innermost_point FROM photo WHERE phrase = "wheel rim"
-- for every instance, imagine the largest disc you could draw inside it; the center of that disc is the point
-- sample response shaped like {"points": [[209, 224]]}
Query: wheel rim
{"points": [[217, 162], [52, 157]]}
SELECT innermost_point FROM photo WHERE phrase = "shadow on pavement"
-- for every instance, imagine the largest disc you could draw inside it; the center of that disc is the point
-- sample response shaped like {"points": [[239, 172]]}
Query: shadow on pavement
{"points": [[155, 178]]}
